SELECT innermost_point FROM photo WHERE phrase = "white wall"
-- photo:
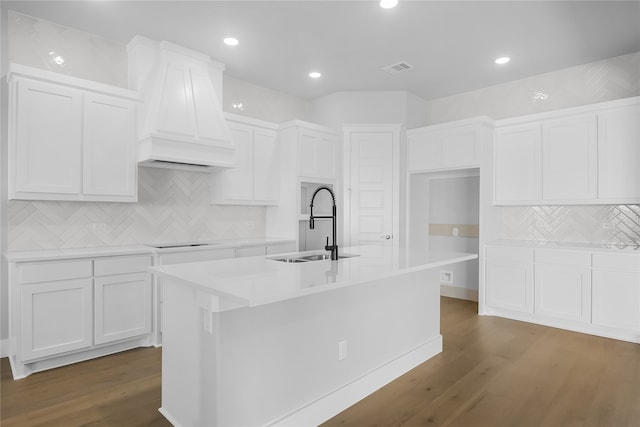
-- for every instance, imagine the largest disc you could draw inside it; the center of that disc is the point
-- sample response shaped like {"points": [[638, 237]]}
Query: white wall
{"points": [[600, 81], [358, 107]]}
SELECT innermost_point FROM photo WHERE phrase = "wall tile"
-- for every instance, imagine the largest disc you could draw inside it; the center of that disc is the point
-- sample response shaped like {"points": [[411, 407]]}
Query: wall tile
{"points": [[173, 206]]}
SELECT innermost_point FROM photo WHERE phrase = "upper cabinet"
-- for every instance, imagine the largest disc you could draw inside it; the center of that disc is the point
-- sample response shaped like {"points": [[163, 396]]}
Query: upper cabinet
{"points": [[317, 152], [70, 139], [453, 145], [254, 179], [585, 155]]}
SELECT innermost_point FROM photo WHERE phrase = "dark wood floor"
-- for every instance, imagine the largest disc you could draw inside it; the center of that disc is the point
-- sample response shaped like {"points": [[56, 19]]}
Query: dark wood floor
{"points": [[492, 372]]}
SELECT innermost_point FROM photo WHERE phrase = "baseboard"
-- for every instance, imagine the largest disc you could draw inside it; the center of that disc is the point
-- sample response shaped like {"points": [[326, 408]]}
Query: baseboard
{"points": [[169, 418], [340, 399], [458, 292], [4, 348]]}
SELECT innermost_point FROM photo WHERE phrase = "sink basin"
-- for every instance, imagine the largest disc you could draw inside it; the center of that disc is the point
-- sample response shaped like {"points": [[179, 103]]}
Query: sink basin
{"points": [[315, 257], [289, 259], [319, 257]]}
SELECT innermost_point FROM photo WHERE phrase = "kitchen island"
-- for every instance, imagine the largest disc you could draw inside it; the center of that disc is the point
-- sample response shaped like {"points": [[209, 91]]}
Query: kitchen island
{"points": [[282, 341]]}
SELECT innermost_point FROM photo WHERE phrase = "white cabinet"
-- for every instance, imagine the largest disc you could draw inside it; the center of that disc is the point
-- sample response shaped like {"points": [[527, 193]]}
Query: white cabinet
{"points": [[619, 154], [317, 154], [518, 164], [452, 145], [251, 251], [570, 158], [55, 317], [584, 155], [70, 139], [563, 284], [122, 298], [110, 166], [64, 311], [254, 179], [509, 281], [46, 143], [616, 292]]}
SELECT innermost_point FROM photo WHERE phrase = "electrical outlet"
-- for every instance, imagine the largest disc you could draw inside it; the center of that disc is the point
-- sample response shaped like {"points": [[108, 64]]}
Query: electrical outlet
{"points": [[99, 226], [446, 276], [456, 232], [342, 350]]}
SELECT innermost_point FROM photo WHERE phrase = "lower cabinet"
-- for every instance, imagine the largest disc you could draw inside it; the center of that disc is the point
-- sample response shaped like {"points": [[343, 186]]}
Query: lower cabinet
{"points": [[510, 278], [591, 292], [55, 317], [64, 311], [616, 292], [122, 305], [563, 284]]}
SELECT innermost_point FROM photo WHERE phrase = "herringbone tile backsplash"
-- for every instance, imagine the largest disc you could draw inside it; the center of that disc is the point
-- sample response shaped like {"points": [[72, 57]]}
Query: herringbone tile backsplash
{"points": [[601, 224], [173, 206]]}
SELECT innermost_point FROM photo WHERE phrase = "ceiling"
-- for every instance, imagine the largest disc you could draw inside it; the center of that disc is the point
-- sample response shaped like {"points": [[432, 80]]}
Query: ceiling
{"points": [[450, 44]]}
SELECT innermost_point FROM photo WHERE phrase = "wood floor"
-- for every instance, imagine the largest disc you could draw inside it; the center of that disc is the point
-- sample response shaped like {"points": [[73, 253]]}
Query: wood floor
{"points": [[492, 372]]}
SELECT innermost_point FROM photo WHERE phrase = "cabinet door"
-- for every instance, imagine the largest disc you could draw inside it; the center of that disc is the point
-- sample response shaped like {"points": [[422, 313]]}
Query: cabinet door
{"points": [[47, 140], [56, 317], [424, 152], [316, 154], [460, 147], [619, 154], [517, 173], [563, 285], [509, 278], [616, 299], [109, 150], [238, 181], [570, 159], [122, 306], [265, 166]]}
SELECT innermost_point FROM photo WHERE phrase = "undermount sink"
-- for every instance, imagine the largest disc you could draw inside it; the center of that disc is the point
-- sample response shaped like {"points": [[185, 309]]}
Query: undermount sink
{"points": [[306, 258]]}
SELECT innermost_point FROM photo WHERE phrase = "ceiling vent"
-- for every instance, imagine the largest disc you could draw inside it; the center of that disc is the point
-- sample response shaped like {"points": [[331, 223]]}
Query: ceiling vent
{"points": [[397, 68]]}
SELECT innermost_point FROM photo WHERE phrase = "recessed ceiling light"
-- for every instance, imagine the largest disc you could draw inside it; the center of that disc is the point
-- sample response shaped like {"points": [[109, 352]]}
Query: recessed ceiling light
{"points": [[231, 41], [315, 75], [388, 4], [502, 60]]}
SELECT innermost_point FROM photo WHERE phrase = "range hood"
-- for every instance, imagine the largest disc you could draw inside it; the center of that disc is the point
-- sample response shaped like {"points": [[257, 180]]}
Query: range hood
{"points": [[180, 123]]}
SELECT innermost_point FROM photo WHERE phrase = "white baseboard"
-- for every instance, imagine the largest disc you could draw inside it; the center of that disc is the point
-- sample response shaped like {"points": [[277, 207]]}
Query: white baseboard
{"points": [[340, 399], [4, 348], [169, 418], [458, 292]]}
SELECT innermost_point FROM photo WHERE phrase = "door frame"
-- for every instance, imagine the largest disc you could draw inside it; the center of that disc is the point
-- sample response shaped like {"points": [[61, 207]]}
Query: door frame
{"points": [[396, 131]]}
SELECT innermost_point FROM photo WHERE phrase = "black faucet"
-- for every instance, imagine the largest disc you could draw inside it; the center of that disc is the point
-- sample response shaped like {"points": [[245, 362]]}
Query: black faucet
{"points": [[333, 248]]}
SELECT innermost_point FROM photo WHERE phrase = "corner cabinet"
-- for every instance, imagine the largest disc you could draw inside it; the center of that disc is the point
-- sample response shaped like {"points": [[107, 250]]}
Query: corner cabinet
{"points": [[70, 139], [454, 145], [254, 179], [582, 155]]}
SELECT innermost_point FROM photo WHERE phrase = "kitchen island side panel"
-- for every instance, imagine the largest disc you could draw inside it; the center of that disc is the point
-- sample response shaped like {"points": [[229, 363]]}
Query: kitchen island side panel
{"points": [[264, 363]]}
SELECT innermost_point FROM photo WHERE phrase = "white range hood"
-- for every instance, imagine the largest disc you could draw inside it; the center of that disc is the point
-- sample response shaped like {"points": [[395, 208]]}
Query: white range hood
{"points": [[181, 123]]}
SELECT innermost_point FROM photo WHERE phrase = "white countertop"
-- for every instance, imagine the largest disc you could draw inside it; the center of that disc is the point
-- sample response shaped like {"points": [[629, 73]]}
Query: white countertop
{"points": [[586, 247], [99, 251], [260, 280]]}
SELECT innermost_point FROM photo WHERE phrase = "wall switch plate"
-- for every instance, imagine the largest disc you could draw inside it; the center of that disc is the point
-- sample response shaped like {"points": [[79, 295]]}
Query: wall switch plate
{"points": [[446, 276], [342, 350]]}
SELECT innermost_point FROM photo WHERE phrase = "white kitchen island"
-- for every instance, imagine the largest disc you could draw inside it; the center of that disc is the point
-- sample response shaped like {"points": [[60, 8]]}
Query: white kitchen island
{"points": [[255, 341]]}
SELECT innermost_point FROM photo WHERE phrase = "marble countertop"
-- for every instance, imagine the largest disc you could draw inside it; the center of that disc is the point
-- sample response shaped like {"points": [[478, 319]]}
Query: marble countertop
{"points": [[260, 280], [587, 247], [64, 253]]}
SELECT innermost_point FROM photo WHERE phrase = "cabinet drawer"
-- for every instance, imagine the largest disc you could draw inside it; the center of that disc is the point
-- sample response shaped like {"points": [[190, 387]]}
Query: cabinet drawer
{"points": [[280, 248], [121, 265], [613, 261], [49, 271], [565, 258]]}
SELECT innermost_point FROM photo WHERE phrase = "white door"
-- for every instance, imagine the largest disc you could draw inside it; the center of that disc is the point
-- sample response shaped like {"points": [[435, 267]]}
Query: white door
{"points": [[373, 185]]}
